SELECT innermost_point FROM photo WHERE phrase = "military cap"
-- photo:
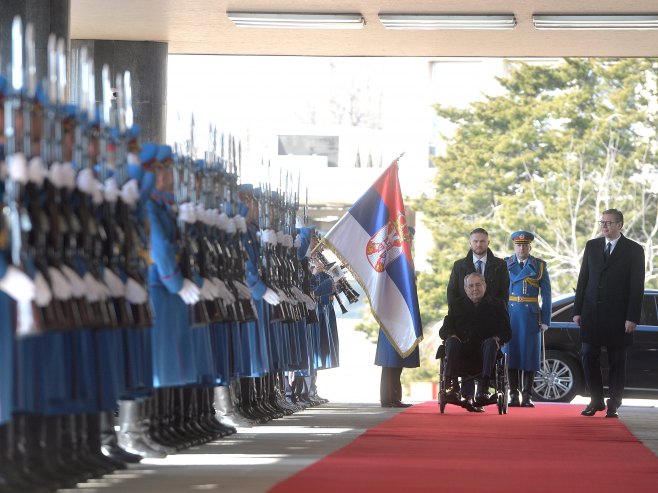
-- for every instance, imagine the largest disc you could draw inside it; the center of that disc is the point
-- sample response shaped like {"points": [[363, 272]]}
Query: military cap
{"points": [[247, 188], [148, 155], [165, 156], [522, 237]]}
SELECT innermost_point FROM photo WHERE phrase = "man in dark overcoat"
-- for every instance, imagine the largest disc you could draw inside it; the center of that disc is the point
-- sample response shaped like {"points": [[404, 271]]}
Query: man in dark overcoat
{"points": [[477, 324], [607, 308]]}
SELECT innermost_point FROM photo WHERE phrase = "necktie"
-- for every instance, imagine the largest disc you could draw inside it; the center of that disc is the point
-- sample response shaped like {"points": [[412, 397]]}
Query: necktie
{"points": [[521, 264], [606, 253], [478, 266]]}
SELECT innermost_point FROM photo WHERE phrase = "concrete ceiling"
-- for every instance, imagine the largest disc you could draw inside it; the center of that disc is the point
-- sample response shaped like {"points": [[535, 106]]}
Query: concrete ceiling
{"points": [[202, 27]]}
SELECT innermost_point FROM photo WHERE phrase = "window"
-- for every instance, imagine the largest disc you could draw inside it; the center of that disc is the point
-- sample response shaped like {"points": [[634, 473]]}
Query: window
{"points": [[563, 312], [649, 315], [309, 145]]}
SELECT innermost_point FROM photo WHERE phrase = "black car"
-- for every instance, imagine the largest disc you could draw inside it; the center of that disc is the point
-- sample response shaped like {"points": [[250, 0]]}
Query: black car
{"points": [[561, 378]]}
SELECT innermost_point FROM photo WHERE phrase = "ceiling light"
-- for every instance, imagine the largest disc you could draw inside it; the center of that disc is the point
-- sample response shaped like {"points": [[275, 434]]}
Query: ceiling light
{"points": [[296, 21], [440, 21], [595, 21]]}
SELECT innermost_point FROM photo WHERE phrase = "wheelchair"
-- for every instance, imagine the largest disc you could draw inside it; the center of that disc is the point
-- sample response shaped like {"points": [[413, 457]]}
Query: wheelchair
{"points": [[470, 367]]}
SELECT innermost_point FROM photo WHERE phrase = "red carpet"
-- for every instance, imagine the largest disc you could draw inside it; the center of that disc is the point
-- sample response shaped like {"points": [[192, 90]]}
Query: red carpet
{"points": [[547, 449]]}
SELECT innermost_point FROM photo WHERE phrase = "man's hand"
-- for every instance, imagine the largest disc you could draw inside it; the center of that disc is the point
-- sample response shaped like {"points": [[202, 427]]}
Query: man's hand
{"points": [[576, 319], [630, 326]]}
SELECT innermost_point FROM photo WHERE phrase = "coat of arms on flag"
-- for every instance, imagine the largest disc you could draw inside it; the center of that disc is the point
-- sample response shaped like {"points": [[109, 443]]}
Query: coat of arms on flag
{"points": [[373, 240]]}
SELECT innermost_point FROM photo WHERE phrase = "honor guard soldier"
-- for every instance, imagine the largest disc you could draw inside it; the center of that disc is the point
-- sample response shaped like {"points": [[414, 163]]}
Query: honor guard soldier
{"points": [[529, 280]]}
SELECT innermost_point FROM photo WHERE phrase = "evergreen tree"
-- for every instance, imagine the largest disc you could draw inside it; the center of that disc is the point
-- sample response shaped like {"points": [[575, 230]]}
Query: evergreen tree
{"points": [[561, 144]]}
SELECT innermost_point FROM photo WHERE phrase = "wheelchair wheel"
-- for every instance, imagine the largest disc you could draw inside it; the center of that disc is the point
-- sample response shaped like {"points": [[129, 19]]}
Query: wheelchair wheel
{"points": [[442, 402], [501, 404]]}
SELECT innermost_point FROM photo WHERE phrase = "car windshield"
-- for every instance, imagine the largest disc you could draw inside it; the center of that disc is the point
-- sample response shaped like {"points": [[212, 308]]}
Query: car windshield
{"points": [[563, 310]]}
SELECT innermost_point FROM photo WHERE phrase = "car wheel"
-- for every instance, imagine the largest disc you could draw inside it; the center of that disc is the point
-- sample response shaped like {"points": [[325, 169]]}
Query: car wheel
{"points": [[559, 380]]}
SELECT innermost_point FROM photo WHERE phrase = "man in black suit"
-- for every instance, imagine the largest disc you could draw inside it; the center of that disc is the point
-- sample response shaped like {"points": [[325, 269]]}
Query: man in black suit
{"points": [[479, 259], [607, 308]]}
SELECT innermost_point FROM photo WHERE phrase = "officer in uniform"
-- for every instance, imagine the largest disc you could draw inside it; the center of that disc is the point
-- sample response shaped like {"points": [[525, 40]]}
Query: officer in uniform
{"points": [[528, 281]]}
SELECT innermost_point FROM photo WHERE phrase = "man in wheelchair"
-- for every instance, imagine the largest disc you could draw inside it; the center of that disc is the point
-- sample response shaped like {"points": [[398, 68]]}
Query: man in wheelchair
{"points": [[475, 328]]}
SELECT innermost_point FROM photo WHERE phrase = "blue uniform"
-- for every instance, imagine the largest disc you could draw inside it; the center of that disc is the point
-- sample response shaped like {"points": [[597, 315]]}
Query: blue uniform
{"points": [[6, 326], [526, 285], [137, 341], [256, 342], [172, 344], [327, 338]]}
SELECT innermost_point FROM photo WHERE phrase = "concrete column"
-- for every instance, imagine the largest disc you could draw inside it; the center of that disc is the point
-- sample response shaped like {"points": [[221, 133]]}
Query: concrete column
{"points": [[147, 63], [47, 16]]}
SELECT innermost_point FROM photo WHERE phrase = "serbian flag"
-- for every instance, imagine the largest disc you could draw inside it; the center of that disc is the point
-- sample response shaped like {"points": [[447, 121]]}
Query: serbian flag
{"points": [[373, 241]]}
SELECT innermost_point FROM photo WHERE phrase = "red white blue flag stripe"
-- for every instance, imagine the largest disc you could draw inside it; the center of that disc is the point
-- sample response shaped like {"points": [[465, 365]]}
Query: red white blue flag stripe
{"points": [[373, 241]]}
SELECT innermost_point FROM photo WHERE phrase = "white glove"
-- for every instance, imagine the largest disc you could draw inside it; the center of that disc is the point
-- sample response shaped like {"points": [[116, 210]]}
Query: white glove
{"points": [[222, 221], [69, 175], [60, 285], [42, 293], [544, 327], [271, 297], [114, 283], [241, 224], [299, 296], [77, 283], [130, 192], [17, 166], [97, 193], [111, 190], [298, 241], [208, 290], [135, 293], [309, 302], [243, 291], [187, 213], [36, 170], [91, 288], [17, 284], [56, 175], [224, 292], [231, 227], [189, 292], [103, 291], [85, 181]]}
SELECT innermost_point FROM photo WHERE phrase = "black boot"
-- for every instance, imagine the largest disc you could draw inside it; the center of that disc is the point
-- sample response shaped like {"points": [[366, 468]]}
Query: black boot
{"points": [[12, 478], [528, 381], [483, 397], [514, 401]]}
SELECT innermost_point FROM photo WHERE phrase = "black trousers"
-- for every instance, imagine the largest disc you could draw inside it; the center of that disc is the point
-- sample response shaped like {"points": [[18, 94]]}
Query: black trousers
{"points": [[454, 347], [590, 355], [390, 388]]}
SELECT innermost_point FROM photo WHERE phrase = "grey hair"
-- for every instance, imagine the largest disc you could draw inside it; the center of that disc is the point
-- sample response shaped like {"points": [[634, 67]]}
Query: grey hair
{"points": [[474, 274]]}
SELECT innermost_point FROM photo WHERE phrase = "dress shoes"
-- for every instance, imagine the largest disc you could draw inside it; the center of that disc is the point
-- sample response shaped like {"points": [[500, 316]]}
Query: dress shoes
{"points": [[612, 409], [592, 408], [514, 401], [400, 404], [470, 406], [453, 397], [484, 399], [527, 402]]}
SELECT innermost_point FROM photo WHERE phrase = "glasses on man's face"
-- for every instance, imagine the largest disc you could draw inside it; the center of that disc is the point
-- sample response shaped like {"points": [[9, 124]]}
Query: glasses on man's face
{"points": [[607, 223]]}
